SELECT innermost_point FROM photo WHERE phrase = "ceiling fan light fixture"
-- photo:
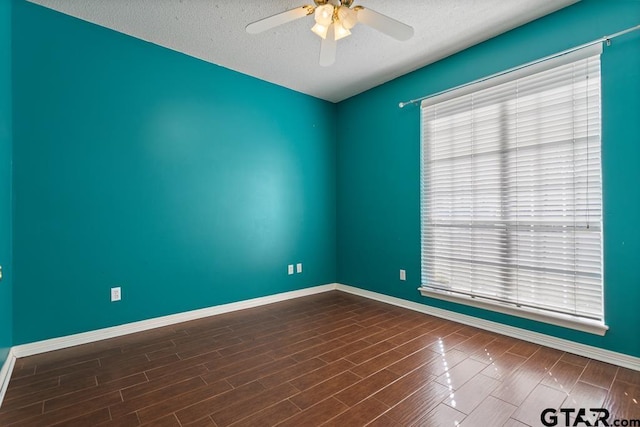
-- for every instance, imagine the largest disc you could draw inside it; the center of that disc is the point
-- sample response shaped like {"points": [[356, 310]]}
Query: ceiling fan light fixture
{"points": [[320, 30], [340, 31], [324, 14], [333, 21]]}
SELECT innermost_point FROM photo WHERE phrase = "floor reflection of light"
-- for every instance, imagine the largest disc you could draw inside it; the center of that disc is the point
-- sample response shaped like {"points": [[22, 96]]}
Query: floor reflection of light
{"points": [[446, 372], [556, 381], [493, 363]]}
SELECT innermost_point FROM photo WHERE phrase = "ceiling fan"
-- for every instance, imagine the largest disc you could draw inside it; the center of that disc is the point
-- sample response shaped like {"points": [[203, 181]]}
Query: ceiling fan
{"points": [[333, 21]]}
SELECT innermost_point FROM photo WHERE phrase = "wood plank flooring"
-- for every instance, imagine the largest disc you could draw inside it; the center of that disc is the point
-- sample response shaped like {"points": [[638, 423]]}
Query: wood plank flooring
{"points": [[330, 359]]}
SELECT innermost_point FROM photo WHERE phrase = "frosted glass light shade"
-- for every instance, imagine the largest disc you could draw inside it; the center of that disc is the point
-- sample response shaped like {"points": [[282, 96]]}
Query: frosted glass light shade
{"points": [[324, 14], [340, 31], [348, 17], [320, 30]]}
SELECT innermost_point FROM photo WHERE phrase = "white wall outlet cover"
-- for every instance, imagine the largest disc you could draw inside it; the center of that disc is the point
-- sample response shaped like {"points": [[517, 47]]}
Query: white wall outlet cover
{"points": [[290, 269], [299, 267], [403, 275], [116, 294]]}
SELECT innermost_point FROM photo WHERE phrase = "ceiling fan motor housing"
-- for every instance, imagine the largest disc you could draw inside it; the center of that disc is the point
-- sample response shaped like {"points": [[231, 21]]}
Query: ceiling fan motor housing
{"points": [[346, 3]]}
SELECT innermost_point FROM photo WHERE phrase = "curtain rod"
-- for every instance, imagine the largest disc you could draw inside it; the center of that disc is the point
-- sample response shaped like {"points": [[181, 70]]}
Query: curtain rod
{"points": [[510, 70]]}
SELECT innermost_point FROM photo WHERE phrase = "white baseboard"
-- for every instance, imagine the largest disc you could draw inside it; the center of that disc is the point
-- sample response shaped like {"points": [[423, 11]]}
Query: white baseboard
{"points": [[596, 353], [30, 349], [144, 325], [5, 374]]}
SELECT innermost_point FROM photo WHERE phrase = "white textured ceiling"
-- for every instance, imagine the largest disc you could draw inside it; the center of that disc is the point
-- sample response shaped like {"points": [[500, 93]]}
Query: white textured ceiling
{"points": [[214, 31]]}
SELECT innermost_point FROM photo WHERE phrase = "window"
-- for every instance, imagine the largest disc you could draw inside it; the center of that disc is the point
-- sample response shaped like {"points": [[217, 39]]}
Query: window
{"points": [[511, 200]]}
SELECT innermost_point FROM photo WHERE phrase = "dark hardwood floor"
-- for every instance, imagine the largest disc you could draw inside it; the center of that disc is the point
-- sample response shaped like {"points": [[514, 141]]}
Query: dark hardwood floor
{"points": [[328, 359]]}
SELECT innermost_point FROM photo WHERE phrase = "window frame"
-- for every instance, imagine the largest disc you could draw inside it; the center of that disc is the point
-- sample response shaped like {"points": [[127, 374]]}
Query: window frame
{"points": [[593, 326]]}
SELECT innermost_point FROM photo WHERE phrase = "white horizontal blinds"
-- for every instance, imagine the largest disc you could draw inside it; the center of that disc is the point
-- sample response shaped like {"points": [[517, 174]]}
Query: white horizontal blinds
{"points": [[511, 188]]}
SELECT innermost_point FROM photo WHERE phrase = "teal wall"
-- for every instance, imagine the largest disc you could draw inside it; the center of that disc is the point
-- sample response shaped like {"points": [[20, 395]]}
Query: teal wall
{"points": [[187, 184], [6, 317], [379, 165]]}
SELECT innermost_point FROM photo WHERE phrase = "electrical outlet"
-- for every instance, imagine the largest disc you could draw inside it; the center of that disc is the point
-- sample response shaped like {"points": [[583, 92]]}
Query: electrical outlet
{"points": [[116, 294], [299, 267], [290, 269], [403, 275]]}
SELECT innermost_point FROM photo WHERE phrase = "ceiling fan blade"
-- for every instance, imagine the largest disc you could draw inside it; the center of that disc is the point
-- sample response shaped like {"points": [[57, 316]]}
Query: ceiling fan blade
{"points": [[384, 24], [328, 48], [279, 19]]}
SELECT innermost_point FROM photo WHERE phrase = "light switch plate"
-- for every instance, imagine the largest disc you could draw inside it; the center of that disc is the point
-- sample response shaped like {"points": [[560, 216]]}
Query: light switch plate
{"points": [[290, 269], [403, 275], [299, 267]]}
